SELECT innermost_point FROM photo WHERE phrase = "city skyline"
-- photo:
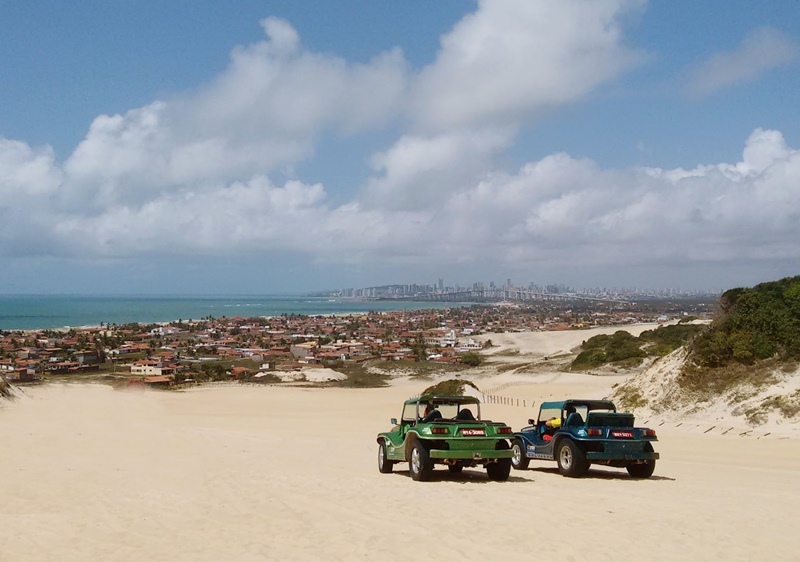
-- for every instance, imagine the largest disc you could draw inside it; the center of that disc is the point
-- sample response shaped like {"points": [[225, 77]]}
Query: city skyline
{"points": [[294, 146], [409, 290]]}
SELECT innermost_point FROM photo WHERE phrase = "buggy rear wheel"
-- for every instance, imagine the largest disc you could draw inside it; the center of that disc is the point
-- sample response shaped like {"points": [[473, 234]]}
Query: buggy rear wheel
{"points": [[571, 459], [419, 462], [642, 470], [499, 470], [455, 468]]}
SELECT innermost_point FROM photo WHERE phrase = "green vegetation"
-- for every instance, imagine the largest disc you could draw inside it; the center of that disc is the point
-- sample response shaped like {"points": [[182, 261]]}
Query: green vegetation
{"points": [[753, 325], [755, 335], [602, 349], [471, 359], [629, 398], [789, 405], [709, 382], [623, 349], [666, 339], [360, 376], [450, 387]]}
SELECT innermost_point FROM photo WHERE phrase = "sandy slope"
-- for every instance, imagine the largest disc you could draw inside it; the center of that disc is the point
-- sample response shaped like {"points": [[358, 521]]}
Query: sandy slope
{"points": [[552, 343], [278, 473]]}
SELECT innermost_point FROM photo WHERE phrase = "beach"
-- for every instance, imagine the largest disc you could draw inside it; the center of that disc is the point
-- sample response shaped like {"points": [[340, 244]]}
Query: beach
{"points": [[235, 472]]}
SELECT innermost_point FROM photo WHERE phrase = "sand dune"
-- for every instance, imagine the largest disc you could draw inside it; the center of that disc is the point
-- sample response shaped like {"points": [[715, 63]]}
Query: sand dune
{"points": [[289, 473]]}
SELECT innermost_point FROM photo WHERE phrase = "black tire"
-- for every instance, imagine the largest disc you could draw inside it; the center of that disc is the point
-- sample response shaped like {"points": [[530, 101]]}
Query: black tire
{"points": [[519, 461], [499, 471], [384, 464], [455, 468], [643, 470], [571, 459], [419, 463]]}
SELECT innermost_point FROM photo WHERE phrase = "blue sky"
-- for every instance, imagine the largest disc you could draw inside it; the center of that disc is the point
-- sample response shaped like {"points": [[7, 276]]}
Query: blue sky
{"points": [[184, 147]]}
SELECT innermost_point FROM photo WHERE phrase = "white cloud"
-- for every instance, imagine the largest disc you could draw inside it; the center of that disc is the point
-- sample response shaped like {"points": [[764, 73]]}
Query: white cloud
{"points": [[25, 171], [262, 114], [29, 177], [420, 172], [275, 88], [496, 70], [511, 60], [763, 49], [194, 175], [559, 210]]}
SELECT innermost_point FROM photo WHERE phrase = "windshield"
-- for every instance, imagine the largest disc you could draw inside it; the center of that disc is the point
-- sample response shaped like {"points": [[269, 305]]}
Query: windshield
{"points": [[548, 414]]}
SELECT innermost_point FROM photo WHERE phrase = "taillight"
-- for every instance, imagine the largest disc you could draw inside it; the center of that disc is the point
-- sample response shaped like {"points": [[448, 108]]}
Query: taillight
{"points": [[649, 433], [594, 432], [439, 430], [503, 430]]}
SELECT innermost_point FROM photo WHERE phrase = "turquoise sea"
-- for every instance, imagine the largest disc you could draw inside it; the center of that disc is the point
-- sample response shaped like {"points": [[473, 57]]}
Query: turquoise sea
{"points": [[28, 312]]}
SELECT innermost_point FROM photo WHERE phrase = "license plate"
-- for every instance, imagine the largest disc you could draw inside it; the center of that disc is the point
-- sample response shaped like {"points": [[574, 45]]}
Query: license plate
{"points": [[467, 432], [622, 434]]}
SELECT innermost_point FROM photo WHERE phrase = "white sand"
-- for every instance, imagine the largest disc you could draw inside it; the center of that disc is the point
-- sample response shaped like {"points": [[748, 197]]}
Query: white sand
{"points": [[289, 473], [552, 343]]}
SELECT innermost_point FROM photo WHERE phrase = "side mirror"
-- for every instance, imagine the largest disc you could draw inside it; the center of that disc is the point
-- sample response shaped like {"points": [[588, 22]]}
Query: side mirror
{"points": [[393, 421], [532, 422]]}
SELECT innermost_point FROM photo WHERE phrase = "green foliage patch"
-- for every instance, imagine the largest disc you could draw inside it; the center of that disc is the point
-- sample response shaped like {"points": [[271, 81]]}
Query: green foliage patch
{"points": [[624, 349], [471, 359], [789, 405], [450, 387], [359, 376], [666, 339], [754, 324], [629, 398]]}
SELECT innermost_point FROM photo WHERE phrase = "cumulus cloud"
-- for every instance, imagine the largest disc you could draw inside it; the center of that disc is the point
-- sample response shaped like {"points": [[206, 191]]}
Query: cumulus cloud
{"points": [[557, 210], [194, 175], [497, 70], [262, 114], [420, 172], [512, 60], [763, 49], [26, 171]]}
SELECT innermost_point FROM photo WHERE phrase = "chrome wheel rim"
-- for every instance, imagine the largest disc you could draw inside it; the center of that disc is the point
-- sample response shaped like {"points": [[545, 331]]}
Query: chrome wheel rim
{"points": [[415, 460], [566, 457], [381, 456], [516, 452]]}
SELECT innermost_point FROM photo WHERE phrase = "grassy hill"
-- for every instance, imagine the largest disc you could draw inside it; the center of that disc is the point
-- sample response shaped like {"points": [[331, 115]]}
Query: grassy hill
{"points": [[744, 364], [756, 331], [625, 350]]}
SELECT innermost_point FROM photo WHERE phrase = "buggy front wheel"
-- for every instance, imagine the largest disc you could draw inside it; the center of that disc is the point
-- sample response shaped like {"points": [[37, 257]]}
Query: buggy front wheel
{"points": [[384, 464], [518, 458]]}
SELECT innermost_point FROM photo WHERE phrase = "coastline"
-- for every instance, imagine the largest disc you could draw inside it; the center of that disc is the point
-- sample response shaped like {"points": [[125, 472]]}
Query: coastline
{"points": [[66, 312]]}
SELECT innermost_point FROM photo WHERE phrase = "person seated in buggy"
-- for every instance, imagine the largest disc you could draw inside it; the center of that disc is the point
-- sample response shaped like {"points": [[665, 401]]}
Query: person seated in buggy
{"points": [[431, 414]]}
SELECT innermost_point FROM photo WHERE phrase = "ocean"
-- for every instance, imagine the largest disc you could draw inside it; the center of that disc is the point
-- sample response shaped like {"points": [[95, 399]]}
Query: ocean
{"points": [[30, 312]]}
